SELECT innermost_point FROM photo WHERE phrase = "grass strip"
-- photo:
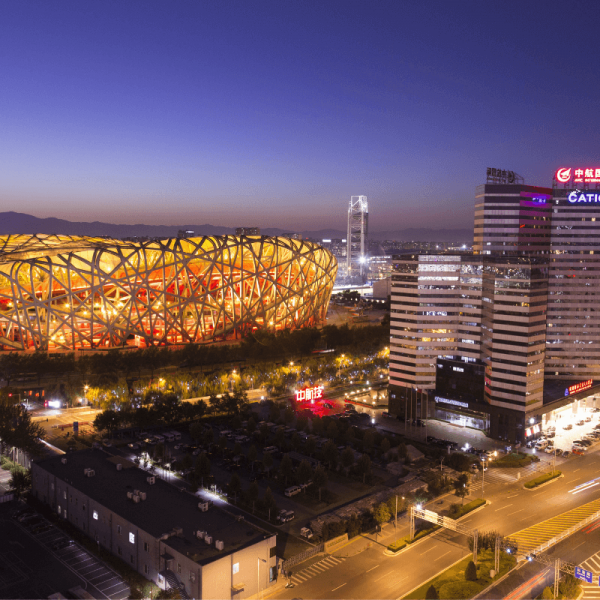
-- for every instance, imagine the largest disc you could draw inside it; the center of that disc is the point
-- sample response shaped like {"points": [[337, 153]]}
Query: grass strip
{"points": [[542, 479]]}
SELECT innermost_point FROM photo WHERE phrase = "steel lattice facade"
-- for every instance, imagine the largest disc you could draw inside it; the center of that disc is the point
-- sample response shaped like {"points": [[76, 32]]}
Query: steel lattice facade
{"points": [[67, 293]]}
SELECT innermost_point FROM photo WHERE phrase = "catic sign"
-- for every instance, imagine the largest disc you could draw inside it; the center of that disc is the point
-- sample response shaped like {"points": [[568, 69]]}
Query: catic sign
{"points": [[579, 387], [449, 401], [578, 175], [312, 394], [578, 196]]}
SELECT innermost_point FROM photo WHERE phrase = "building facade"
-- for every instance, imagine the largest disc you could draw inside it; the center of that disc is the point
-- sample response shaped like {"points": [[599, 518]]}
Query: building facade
{"points": [[160, 532], [357, 238]]}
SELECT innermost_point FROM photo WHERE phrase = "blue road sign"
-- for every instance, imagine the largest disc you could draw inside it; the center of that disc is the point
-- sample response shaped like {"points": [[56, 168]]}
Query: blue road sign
{"points": [[583, 574]]}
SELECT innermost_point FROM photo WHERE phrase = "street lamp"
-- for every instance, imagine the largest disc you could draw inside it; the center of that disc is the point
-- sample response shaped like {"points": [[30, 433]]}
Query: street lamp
{"points": [[483, 477]]}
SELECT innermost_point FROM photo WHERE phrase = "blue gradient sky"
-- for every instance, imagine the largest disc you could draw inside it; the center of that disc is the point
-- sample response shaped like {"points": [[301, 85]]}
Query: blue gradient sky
{"points": [[274, 113]]}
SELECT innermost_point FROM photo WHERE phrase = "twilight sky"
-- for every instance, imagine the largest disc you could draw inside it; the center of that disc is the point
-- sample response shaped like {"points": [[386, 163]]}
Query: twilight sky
{"points": [[275, 113]]}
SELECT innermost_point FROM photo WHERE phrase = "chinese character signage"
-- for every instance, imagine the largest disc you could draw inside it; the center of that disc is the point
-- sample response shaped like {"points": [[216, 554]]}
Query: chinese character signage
{"points": [[310, 394], [501, 176], [578, 175], [579, 387], [583, 574]]}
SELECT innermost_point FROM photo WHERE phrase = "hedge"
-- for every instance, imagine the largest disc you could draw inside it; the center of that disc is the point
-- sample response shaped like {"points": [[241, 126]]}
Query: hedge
{"points": [[467, 508], [514, 460], [542, 479]]}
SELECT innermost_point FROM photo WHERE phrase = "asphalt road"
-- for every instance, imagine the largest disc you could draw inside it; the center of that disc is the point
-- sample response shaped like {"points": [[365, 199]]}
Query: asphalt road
{"points": [[371, 574]]}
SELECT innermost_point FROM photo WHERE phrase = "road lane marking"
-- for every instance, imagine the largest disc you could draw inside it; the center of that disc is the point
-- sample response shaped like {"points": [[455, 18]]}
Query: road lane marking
{"points": [[575, 471], [372, 568], [442, 556], [426, 551], [582, 543], [503, 507], [509, 497], [338, 587], [389, 573], [514, 513]]}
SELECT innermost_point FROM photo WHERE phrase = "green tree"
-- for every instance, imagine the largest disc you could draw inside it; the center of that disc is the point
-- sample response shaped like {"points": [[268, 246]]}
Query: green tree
{"points": [[368, 440], [384, 446], [320, 479], [222, 443], [208, 437], [304, 472], [310, 446], [215, 404], [569, 586], [332, 431], [547, 593], [237, 449], [267, 462], [252, 493], [17, 429], [235, 486], [364, 466], [252, 455], [279, 440], [251, 427], [347, 459], [159, 451], [108, 420], [187, 462], [20, 481], [285, 467], [330, 453], [471, 572], [461, 486], [197, 432], [296, 441], [381, 513], [274, 412], [431, 593]]}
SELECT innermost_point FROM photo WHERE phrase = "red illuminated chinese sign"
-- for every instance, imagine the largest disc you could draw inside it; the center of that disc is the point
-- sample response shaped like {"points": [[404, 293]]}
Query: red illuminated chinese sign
{"points": [[579, 387], [310, 394], [578, 175]]}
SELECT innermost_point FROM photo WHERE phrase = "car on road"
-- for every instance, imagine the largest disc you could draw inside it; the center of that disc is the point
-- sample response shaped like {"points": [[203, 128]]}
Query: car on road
{"points": [[306, 532], [565, 453], [133, 446], [580, 422], [106, 443], [568, 426], [588, 419], [292, 491]]}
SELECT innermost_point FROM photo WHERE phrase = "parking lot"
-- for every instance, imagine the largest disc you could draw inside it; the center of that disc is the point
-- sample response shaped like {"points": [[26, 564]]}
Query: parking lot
{"points": [[76, 566]]}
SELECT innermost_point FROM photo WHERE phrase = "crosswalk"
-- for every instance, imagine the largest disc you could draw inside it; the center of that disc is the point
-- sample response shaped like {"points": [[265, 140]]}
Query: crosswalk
{"points": [[316, 569], [534, 536], [591, 591], [507, 476]]}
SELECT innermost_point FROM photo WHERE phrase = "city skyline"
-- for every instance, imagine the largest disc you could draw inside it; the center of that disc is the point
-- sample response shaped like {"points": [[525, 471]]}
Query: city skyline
{"points": [[275, 115]]}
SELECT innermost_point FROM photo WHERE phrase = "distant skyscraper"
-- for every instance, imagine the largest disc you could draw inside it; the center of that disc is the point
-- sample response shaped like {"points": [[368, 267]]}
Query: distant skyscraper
{"points": [[357, 240]]}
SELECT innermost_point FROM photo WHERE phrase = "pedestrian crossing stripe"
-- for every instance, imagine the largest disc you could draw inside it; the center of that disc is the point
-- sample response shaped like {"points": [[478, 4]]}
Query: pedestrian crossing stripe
{"points": [[530, 538], [316, 569]]}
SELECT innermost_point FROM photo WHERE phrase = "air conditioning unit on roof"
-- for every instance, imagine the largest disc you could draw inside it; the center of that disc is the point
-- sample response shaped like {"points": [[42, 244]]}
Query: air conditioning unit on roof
{"points": [[219, 544], [208, 539], [151, 480]]}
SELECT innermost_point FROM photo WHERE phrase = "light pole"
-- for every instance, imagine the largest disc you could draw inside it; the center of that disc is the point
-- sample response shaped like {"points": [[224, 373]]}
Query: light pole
{"points": [[483, 477]]}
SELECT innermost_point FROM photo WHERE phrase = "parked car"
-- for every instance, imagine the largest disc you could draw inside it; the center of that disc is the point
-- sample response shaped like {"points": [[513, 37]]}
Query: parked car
{"points": [[292, 491], [588, 419], [565, 453], [541, 444], [580, 422], [568, 427]]}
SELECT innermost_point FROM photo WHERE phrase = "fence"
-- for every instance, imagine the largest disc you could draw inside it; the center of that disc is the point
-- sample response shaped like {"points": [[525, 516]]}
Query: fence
{"points": [[298, 558], [7, 497]]}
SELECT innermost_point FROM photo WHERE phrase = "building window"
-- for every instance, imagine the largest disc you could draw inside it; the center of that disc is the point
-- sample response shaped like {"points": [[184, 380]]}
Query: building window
{"points": [[236, 568], [119, 551], [95, 515], [146, 569], [272, 551], [179, 568], [146, 546], [131, 559], [83, 506], [59, 511], [64, 495], [132, 537], [119, 529]]}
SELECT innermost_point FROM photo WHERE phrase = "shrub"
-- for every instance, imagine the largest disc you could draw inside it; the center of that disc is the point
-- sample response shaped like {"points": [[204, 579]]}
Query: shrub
{"points": [[458, 590], [431, 593], [542, 479], [471, 572], [547, 594]]}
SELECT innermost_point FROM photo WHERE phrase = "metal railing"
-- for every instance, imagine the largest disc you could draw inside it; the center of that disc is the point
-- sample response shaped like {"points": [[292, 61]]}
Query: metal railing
{"points": [[298, 558]]}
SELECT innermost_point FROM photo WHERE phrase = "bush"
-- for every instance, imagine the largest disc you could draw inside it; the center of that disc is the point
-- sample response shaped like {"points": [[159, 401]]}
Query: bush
{"points": [[456, 510], [458, 590], [471, 572], [569, 587], [547, 594], [459, 461], [542, 479], [431, 593]]}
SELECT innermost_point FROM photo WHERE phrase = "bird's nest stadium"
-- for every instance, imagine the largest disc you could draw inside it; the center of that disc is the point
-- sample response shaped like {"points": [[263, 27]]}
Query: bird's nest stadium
{"points": [[68, 293]]}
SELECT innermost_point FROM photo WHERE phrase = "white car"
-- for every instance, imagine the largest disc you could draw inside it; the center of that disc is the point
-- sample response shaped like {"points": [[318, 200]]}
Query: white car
{"points": [[549, 450]]}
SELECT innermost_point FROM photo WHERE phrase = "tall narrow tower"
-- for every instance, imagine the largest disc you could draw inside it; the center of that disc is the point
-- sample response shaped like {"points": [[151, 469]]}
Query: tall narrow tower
{"points": [[358, 229]]}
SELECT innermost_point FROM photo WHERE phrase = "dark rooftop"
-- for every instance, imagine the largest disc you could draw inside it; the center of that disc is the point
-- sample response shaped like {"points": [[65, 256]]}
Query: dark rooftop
{"points": [[165, 509]]}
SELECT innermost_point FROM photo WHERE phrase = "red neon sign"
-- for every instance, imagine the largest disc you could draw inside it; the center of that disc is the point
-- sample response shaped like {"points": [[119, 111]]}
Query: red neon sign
{"points": [[578, 175], [312, 394], [579, 387]]}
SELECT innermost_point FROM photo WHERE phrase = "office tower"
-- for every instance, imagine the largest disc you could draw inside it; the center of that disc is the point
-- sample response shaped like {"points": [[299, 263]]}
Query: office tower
{"points": [[511, 217], [573, 334], [357, 240], [436, 305]]}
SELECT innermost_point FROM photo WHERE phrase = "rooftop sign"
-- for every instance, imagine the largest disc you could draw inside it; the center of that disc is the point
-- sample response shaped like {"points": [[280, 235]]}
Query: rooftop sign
{"points": [[502, 176], [578, 175], [312, 394]]}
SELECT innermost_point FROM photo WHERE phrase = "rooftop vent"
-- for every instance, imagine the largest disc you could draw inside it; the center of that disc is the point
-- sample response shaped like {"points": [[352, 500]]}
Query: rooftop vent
{"points": [[119, 467], [143, 495], [151, 480], [136, 498], [130, 495], [208, 539], [89, 472], [63, 460], [200, 534], [203, 506], [219, 545]]}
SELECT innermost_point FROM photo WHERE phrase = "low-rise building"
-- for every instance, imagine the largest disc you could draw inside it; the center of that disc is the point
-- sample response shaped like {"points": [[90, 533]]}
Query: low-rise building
{"points": [[171, 537]]}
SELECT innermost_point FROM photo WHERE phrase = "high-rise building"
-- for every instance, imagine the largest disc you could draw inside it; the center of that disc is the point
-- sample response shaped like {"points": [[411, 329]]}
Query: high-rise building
{"points": [[357, 240], [573, 334]]}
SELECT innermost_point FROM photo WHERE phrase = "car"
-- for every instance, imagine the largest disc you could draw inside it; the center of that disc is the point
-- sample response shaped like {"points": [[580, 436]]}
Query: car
{"points": [[106, 443], [306, 532], [474, 468], [133, 446], [551, 434], [580, 422], [578, 450], [588, 419], [595, 410], [530, 444], [176, 446], [541, 444], [565, 453], [568, 427], [292, 491], [587, 443], [549, 450]]}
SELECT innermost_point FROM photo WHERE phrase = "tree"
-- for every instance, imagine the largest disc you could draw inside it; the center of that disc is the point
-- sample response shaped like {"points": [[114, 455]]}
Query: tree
{"points": [[285, 467], [187, 462], [431, 593], [202, 467], [320, 479], [20, 481], [274, 412], [289, 416], [267, 461], [460, 486], [296, 441], [208, 437], [385, 446], [310, 446], [197, 432], [304, 472], [347, 459], [252, 493], [381, 513], [368, 440], [568, 586], [547, 593], [17, 429], [251, 426], [215, 403], [159, 451], [222, 443], [235, 486], [237, 449], [471, 572], [108, 420], [269, 502], [332, 431], [402, 452], [279, 440], [252, 455], [364, 466], [330, 453], [236, 422]]}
